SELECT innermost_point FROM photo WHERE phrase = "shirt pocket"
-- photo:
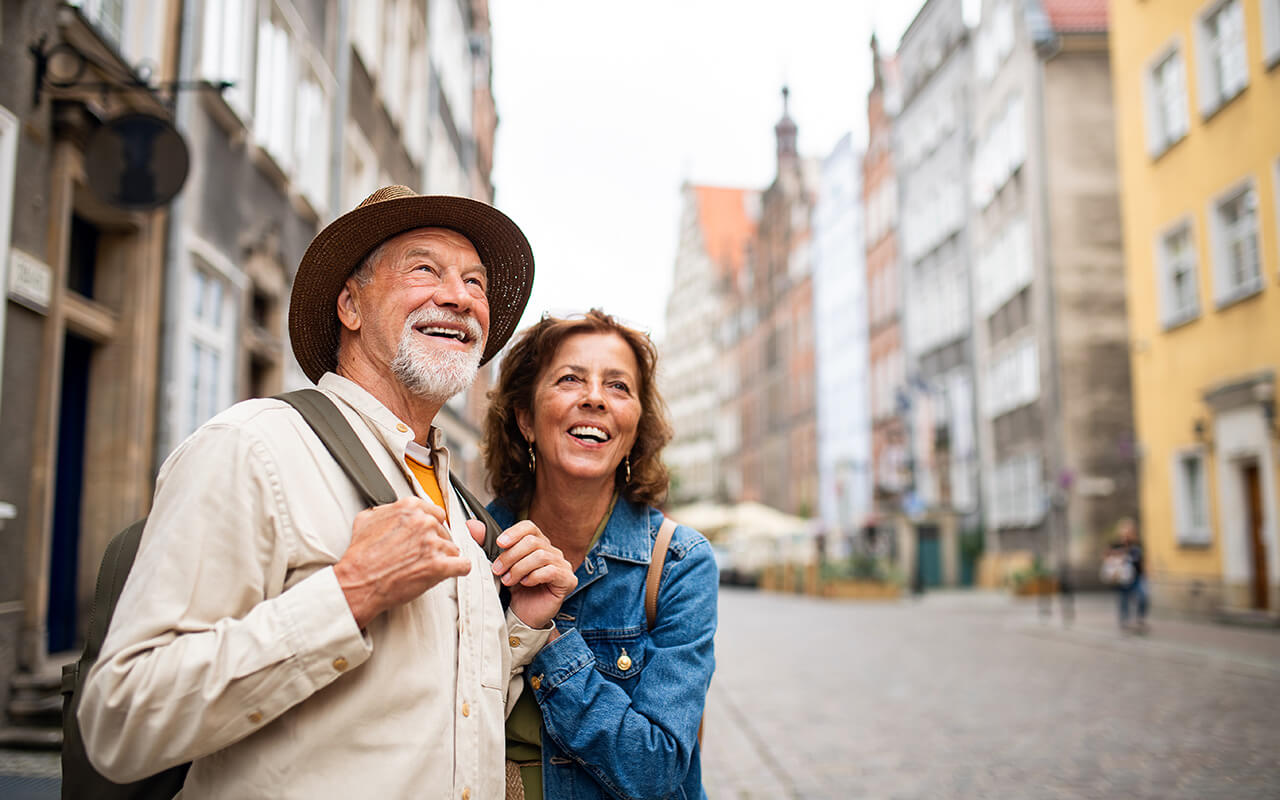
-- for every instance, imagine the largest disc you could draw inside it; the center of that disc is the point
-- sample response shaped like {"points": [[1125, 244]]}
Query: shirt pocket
{"points": [[619, 654]]}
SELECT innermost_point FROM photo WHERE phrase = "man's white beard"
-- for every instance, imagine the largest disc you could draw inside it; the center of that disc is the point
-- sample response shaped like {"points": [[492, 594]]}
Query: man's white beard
{"points": [[436, 374]]}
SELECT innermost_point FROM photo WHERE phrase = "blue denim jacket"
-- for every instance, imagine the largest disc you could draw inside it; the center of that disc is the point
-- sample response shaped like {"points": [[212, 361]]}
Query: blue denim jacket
{"points": [[613, 728]]}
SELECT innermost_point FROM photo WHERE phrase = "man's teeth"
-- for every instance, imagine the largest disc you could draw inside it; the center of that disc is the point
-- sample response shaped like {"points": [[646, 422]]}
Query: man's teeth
{"points": [[453, 333], [589, 432]]}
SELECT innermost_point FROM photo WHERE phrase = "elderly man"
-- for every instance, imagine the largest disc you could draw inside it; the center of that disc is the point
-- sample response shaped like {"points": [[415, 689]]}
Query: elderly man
{"points": [[290, 642]]}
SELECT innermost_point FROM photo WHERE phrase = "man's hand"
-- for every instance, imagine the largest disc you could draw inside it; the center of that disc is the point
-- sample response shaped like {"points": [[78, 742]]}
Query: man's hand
{"points": [[535, 570], [397, 552]]}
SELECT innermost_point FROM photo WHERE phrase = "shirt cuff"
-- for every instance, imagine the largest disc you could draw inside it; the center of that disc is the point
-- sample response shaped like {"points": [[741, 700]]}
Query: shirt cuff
{"points": [[525, 642], [323, 635]]}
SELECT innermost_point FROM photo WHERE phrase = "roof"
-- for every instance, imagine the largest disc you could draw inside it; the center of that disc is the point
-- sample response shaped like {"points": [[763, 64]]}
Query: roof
{"points": [[727, 224], [1076, 16]]}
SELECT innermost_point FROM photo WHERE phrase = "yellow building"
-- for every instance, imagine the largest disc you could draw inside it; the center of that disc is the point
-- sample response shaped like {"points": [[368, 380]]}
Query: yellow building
{"points": [[1197, 95]]}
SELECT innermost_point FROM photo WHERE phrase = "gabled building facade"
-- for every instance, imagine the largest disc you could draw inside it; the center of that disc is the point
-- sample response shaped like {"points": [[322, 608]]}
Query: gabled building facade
{"points": [[716, 228]]}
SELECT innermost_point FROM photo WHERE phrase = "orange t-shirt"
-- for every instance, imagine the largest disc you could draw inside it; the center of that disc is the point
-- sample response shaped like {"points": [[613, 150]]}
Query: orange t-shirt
{"points": [[426, 476]]}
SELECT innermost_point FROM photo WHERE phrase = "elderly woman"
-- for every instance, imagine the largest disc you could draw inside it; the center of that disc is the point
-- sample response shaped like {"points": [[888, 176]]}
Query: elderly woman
{"points": [[573, 443]]}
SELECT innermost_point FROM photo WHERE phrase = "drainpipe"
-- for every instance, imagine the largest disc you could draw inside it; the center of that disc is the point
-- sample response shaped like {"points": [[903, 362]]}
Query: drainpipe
{"points": [[175, 257], [341, 104]]}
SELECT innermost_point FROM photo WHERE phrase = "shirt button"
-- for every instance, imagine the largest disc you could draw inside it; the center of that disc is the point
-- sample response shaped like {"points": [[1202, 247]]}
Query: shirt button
{"points": [[400, 426], [536, 681], [255, 717], [514, 641], [340, 664], [466, 709]]}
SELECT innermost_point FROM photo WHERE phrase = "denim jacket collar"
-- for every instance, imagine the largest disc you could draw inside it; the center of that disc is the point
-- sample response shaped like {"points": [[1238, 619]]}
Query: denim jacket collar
{"points": [[627, 537]]}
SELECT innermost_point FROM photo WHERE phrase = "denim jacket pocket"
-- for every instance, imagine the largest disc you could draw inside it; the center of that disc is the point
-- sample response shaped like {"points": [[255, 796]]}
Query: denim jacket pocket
{"points": [[620, 654]]}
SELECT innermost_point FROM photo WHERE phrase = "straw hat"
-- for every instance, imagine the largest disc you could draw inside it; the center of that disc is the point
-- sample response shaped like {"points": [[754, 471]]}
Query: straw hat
{"points": [[342, 245]]}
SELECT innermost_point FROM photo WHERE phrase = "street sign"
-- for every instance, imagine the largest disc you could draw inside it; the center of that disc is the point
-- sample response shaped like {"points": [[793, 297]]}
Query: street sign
{"points": [[136, 162]]}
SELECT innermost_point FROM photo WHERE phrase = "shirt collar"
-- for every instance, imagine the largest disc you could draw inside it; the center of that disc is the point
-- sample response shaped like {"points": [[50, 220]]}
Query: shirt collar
{"points": [[394, 432], [628, 536]]}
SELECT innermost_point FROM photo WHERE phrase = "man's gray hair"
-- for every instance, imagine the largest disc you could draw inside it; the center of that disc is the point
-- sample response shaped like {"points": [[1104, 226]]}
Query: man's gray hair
{"points": [[363, 273]]}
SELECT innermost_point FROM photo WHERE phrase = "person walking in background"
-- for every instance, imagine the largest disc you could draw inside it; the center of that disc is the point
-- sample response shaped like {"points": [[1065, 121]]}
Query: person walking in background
{"points": [[573, 442], [275, 632], [1134, 590]]}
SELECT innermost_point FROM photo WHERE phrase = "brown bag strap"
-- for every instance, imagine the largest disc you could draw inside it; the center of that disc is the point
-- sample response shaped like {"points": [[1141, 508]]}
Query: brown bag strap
{"points": [[654, 576]]}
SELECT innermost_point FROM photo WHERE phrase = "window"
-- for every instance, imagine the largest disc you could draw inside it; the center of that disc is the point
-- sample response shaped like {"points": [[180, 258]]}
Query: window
{"points": [[1191, 498], [1017, 492], [225, 48], [106, 15], [1013, 378], [207, 379], [1166, 101], [1223, 62], [1176, 265], [1237, 272], [311, 141], [1004, 267], [1271, 32], [276, 82]]}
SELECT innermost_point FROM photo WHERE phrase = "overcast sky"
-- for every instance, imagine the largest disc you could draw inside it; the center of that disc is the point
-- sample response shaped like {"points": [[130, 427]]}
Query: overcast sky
{"points": [[605, 109]]}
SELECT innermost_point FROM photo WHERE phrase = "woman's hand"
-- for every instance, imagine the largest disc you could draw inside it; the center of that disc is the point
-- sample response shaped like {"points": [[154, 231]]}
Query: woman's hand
{"points": [[535, 570]]}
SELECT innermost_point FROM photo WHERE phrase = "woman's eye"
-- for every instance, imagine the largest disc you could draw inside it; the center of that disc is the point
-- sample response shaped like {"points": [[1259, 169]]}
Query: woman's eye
{"points": [[622, 387], [568, 379]]}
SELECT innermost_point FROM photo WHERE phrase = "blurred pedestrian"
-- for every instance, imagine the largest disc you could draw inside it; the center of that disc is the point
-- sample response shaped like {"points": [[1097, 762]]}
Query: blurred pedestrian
{"points": [[273, 631], [1134, 590], [573, 442]]}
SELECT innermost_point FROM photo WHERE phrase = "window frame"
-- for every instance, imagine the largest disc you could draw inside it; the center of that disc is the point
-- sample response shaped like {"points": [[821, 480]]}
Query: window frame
{"points": [[1185, 533], [1161, 139], [1171, 317], [1225, 294], [1211, 90]]}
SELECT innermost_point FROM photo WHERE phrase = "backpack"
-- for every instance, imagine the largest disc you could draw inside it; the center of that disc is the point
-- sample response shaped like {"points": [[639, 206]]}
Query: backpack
{"points": [[79, 778]]}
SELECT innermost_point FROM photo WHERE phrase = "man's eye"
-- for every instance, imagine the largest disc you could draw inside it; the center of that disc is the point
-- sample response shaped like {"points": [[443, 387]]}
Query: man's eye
{"points": [[476, 282]]}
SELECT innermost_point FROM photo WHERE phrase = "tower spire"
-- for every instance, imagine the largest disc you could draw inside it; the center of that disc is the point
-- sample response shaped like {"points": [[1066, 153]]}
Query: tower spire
{"points": [[785, 130]]}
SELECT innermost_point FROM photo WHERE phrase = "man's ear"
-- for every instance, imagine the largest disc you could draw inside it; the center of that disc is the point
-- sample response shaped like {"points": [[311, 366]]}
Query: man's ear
{"points": [[348, 308]]}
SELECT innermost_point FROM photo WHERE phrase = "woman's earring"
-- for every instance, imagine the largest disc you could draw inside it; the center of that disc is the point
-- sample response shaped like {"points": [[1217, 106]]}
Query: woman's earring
{"points": [[533, 460], [627, 461]]}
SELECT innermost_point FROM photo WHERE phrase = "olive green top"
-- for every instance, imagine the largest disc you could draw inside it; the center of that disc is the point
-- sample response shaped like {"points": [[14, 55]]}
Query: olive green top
{"points": [[524, 725]]}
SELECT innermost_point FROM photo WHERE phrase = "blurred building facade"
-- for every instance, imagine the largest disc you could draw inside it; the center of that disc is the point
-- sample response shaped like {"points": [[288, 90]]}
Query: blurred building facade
{"points": [[1197, 88], [716, 228], [1051, 343], [887, 364], [124, 330], [840, 344], [773, 344], [931, 136]]}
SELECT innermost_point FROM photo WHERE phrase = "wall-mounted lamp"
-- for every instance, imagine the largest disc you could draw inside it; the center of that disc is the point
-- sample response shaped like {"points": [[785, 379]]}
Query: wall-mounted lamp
{"points": [[1264, 391], [1200, 430]]}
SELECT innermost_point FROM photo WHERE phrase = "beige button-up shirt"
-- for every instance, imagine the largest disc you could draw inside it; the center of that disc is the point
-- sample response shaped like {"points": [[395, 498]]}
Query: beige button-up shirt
{"points": [[233, 645]]}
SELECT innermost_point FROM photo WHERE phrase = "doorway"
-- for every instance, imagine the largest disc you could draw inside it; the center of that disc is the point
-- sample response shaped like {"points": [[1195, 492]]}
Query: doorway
{"points": [[68, 494], [1252, 476]]}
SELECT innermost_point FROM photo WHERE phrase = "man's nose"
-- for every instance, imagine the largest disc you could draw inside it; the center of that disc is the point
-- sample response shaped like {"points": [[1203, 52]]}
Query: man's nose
{"points": [[452, 291]]}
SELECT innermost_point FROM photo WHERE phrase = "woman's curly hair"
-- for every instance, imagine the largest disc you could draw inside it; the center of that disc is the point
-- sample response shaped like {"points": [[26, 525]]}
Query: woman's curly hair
{"points": [[506, 451]]}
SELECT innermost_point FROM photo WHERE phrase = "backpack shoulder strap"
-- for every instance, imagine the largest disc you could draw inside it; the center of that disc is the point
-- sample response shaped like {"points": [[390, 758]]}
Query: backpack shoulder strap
{"points": [[341, 441], [654, 576], [476, 510]]}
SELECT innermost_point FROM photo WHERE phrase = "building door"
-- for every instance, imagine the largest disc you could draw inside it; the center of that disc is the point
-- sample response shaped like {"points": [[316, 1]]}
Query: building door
{"points": [[68, 493], [1257, 547], [929, 557]]}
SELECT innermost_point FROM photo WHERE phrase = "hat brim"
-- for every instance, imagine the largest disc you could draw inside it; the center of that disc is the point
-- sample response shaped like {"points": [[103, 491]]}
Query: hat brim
{"points": [[338, 249]]}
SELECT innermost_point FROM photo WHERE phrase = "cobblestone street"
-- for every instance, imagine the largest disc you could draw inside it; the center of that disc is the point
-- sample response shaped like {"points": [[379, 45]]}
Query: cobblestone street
{"points": [[979, 696], [963, 696]]}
